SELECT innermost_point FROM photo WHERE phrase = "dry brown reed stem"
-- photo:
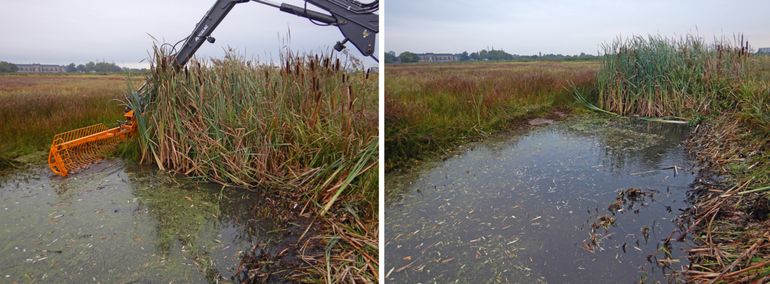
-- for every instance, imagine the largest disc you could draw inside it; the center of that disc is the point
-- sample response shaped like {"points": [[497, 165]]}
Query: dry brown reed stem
{"points": [[746, 254], [729, 225]]}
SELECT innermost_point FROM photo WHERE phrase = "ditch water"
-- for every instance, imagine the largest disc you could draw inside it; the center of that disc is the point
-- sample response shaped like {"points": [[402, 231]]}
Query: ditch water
{"points": [[114, 223], [538, 207]]}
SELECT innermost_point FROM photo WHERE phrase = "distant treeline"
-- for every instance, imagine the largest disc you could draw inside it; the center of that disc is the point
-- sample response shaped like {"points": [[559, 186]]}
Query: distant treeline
{"points": [[6, 67], [90, 67], [488, 55], [97, 67]]}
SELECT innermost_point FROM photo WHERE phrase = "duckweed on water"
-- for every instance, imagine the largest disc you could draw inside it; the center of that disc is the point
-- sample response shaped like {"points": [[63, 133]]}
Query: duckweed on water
{"points": [[115, 224]]}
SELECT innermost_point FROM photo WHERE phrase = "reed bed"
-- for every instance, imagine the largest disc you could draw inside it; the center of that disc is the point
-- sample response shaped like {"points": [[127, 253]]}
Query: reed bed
{"points": [[656, 76], [307, 128], [429, 108]]}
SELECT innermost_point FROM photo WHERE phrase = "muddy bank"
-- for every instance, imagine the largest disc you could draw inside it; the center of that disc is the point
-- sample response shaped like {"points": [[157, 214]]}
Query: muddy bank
{"points": [[538, 207], [122, 223]]}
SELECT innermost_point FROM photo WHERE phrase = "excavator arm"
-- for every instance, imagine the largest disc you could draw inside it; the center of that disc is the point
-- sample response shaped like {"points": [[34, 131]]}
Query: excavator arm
{"points": [[357, 22], [204, 28]]}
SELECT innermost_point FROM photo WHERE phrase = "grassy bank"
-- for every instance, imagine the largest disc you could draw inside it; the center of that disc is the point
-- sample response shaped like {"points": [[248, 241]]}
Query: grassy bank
{"points": [[727, 89], [34, 107], [306, 128], [432, 107]]}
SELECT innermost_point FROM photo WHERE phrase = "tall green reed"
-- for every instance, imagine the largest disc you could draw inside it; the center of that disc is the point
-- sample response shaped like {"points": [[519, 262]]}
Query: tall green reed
{"points": [[307, 125], [658, 76]]}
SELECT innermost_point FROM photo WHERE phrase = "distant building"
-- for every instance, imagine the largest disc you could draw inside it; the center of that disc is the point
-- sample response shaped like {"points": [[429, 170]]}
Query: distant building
{"points": [[764, 50], [437, 57], [40, 68]]}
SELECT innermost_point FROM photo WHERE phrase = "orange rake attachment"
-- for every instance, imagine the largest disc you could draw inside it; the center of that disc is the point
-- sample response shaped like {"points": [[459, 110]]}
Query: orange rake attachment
{"points": [[80, 147]]}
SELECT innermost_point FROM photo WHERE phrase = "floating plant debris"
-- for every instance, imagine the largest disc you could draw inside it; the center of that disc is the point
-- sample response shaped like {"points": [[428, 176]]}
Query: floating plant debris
{"points": [[530, 208], [604, 221], [630, 197]]}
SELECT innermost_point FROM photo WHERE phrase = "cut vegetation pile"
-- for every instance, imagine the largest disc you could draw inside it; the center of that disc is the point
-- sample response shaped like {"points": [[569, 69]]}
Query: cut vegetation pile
{"points": [[429, 108], [731, 215], [307, 128], [728, 89]]}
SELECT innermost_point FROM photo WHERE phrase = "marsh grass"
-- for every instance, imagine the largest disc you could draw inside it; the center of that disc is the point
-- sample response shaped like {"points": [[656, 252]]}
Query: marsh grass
{"points": [[34, 107], [684, 78], [307, 128], [432, 107]]}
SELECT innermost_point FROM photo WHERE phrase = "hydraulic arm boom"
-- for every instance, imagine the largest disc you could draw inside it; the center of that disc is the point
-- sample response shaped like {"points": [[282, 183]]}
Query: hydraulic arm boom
{"points": [[357, 22], [204, 28]]}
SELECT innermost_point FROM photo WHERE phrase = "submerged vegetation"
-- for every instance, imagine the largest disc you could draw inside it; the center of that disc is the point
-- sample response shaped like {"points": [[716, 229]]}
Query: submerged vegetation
{"points": [[429, 108], [307, 128]]}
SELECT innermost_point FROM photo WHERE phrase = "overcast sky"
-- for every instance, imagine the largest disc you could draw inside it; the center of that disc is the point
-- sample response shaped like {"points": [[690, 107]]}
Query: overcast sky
{"points": [[60, 32], [563, 26]]}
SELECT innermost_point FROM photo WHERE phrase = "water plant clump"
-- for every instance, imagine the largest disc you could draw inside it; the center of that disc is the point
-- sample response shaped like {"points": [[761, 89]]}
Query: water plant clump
{"points": [[306, 128], [656, 76]]}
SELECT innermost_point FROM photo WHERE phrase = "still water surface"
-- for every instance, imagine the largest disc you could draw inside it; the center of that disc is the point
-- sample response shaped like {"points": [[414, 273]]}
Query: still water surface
{"points": [[521, 209], [116, 224]]}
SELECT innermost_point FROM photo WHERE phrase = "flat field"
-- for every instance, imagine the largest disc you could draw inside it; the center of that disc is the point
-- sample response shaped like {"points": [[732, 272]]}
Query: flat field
{"points": [[432, 107]]}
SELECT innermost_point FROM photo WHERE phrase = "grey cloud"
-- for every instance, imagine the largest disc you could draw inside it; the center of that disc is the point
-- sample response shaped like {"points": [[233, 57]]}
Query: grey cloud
{"points": [[59, 32], [563, 26]]}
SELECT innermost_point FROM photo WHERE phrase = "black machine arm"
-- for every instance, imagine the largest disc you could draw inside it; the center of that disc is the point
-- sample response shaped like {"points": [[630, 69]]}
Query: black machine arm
{"points": [[357, 22], [204, 28]]}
